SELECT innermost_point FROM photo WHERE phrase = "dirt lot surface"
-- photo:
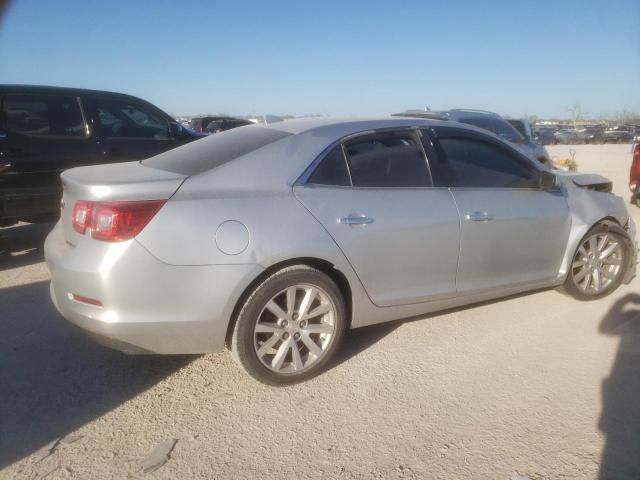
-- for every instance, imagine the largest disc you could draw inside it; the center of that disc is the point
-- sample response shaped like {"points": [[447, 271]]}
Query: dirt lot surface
{"points": [[539, 385]]}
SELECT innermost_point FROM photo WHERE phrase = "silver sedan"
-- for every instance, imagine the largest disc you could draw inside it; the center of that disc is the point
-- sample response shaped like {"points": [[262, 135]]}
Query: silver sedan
{"points": [[274, 240]]}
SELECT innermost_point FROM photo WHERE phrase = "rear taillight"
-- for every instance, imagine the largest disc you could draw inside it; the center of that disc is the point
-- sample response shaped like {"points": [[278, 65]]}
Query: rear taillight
{"points": [[81, 216], [114, 221]]}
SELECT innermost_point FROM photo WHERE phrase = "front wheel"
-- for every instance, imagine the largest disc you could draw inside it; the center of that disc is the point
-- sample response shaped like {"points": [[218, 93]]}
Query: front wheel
{"points": [[599, 264], [290, 327]]}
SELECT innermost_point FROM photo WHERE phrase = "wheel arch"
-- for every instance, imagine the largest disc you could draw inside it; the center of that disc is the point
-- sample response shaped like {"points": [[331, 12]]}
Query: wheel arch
{"points": [[325, 266], [608, 221]]}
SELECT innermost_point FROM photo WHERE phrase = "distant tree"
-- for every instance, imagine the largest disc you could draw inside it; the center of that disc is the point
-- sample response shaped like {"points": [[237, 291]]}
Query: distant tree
{"points": [[575, 111]]}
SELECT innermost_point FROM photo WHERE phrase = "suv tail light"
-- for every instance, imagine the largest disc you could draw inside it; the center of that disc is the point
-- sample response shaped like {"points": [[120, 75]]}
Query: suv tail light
{"points": [[114, 221]]}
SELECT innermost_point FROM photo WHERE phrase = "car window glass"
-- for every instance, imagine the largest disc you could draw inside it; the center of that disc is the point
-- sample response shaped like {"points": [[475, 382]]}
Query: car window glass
{"points": [[123, 119], [65, 117], [495, 125], [478, 164], [393, 159], [41, 115], [332, 170]]}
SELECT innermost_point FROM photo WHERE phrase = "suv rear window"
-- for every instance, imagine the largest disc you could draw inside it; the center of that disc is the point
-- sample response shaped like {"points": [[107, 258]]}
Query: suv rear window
{"points": [[215, 150]]}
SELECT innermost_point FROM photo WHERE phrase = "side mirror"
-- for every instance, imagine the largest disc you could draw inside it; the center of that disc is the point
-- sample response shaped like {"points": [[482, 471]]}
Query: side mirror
{"points": [[175, 130], [548, 181]]}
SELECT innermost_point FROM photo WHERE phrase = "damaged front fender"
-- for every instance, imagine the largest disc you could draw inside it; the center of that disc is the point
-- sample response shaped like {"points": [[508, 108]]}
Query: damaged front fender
{"points": [[590, 203]]}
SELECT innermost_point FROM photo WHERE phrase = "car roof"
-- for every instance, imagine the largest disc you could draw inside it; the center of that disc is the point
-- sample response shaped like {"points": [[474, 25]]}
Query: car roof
{"points": [[47, 89], [347, 126]]}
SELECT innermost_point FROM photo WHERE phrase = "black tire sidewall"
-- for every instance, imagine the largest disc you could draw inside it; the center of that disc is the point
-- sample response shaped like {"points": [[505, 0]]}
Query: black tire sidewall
{"points": [[243, 340]]}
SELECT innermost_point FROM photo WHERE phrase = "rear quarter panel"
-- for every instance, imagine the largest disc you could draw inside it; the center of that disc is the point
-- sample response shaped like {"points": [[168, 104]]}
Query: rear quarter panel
{"points": [[279, 228]]}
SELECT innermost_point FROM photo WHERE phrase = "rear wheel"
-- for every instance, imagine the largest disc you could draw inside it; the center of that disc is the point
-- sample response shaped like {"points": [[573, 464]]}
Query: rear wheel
{"points": [[290, 327], [599, 264]]}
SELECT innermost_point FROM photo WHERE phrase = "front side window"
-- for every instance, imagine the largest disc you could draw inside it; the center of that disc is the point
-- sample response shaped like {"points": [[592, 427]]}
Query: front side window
{"points": [[387, 159], [124, 119], [43, 115], [477, 164]]}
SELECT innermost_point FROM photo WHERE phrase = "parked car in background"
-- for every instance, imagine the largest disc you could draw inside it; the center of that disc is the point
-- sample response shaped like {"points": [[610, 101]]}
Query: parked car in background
{"points": [[491, 122], [569, 136], [618, 135], [594, 134], [226, 123], [367, 239], [45, 130], [199, 124], [634, 176], [545, 135]]}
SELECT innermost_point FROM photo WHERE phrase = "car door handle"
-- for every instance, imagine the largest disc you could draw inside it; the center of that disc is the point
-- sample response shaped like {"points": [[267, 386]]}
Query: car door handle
{"points": [[355, 220], [479, 216]]}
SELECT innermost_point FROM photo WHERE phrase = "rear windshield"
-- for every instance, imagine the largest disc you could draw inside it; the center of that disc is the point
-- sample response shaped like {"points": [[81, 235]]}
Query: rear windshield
{"points": [[215, 150]]}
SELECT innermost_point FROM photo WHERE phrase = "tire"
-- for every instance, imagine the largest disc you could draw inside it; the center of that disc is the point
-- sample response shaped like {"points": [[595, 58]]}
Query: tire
{"points": [[288, 346], [581, 282]]}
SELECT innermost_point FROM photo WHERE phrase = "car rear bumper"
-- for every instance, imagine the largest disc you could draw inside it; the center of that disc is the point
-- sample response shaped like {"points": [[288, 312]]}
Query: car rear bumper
{"points": [[147, 306]]}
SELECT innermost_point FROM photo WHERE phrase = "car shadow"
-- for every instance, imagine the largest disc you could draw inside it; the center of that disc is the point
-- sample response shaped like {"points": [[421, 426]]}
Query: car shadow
{"points": [[620, 418], [360, 339], [53, 379], [22, 244]]}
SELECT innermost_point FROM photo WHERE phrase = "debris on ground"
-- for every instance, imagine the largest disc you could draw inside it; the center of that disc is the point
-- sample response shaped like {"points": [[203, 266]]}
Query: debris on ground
{"points": [[566, 164], [517, 476], [159, 456], [69, 439], [45, 451]]}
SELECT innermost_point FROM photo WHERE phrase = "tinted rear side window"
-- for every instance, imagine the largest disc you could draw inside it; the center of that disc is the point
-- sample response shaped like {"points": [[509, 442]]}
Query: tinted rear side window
{"points": [[332, 170], [214, 150], [43, 115], [477, 164], [392, 159]]}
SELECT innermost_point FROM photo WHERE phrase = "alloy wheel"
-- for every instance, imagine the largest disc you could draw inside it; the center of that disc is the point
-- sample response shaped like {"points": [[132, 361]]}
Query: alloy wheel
{"points": [[295, 329], [598, 263]]}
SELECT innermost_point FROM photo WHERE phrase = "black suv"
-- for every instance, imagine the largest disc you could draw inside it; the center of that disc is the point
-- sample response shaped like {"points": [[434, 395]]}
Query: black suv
{"points": [[45, 130]]}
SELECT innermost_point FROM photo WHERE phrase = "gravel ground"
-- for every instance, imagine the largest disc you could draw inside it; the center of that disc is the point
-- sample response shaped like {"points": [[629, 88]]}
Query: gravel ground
{"points": [[537, 384]]}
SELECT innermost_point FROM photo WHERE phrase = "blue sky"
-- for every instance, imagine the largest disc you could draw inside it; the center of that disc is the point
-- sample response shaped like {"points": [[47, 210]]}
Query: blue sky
{"points": [[334, 57]]}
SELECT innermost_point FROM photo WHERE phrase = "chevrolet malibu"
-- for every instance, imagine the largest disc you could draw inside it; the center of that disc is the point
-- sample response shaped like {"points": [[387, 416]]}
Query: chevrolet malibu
{"points": [[274, 240]]}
